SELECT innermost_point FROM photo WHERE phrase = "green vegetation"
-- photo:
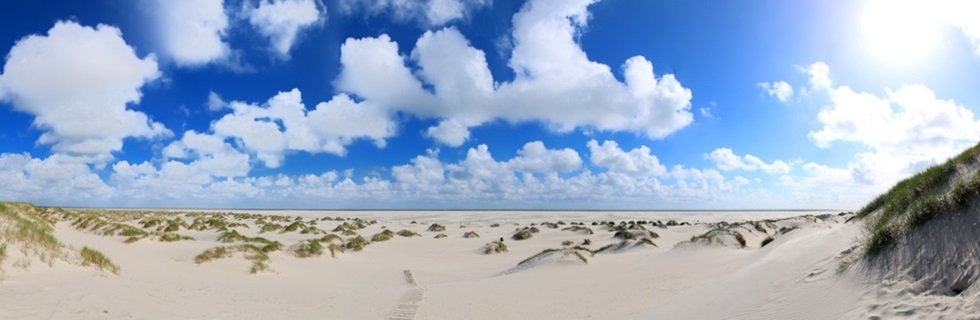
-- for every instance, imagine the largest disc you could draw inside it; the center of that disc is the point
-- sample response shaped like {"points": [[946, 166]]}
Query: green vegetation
{"points": [[440, 236], [471, 234], [171, 237], [215, 253], [522, 235], [577, 228], [309, 248], [435, 227], [565, 250], [785, 230], [383, 236], [766, 241], [95, 258], [255, 254], [357, 243], [495, 247], [408, 233], [917, 200]]}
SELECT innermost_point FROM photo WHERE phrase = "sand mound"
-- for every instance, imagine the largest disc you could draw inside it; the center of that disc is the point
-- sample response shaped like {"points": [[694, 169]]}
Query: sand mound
{"points": [[920, 246]]}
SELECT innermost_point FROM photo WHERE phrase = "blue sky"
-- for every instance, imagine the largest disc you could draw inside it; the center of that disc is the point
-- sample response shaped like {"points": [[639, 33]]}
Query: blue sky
{"points": [[544, 104]]}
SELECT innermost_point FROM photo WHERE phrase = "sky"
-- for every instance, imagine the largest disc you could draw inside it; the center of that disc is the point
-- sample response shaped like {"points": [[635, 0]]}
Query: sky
{"points": [[481, 104]]}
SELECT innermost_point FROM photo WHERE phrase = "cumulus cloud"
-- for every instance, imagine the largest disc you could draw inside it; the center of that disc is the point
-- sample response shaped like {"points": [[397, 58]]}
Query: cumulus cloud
{"points": [[284, 125], [726, 160], [903, 131], [281, 21], [56, 179], [77, 82], [202, 170], [779, 89], [819, 76], [427, 12], [638, 161], [556, 84], [191, 32], [535, 157]]}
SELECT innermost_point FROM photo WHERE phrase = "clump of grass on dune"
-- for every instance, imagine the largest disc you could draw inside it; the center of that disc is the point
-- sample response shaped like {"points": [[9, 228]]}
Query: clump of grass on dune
{"points": [[435, 227], [522, 235], [441, 235], [172, 237], [257, 255], [471, 234], [357, 243], [270, 227], [495, 247], [383, 236], [309, 248], [565, 250], [24, 226], [917, 200], [766, 241], [408, 233], [577, 228], [95, 258], [219, 252]]}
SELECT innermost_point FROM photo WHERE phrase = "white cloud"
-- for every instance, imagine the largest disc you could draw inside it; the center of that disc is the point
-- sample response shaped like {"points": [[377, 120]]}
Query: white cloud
{"points": [[283, 125], [536, 175], [726, 160], [556, 84], [192, 31], [963, 15], [904, 131], [56, 179], [281, 21], [638, 161], [428, 12], [819, 76], [215, 103], [77, 81], [449, 132], [535, 157], [779, 89]]}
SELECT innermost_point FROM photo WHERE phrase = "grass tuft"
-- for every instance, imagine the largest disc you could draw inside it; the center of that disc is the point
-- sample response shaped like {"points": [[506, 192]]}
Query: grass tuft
{"points": [[91, 257]]}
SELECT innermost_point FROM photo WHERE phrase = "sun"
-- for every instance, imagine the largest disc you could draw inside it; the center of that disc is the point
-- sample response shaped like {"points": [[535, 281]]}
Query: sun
{"points": [[901, 31]]}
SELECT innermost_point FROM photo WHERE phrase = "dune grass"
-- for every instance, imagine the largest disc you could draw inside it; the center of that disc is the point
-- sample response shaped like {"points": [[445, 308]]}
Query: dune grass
{"points": [[91, 257], [577, 228], [471, 234], [309, 248], [172, 237], [357, 243], [917, 200], [441, 235], [766, 241], [435, 227], [522, 235], [566, 250], [408, 233], [24, 226], [383, 236], [495, 247]]}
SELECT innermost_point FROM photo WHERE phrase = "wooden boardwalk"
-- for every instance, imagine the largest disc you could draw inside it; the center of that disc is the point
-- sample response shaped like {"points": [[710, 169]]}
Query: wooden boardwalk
{"points": [[412, 300]]}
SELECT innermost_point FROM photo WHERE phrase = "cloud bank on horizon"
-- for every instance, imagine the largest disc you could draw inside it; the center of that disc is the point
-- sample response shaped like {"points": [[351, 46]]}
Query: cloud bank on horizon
{"points": [[398, 104]]}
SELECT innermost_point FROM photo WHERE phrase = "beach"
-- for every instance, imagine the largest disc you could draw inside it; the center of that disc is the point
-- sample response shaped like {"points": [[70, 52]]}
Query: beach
{"points": [[595, 265]]}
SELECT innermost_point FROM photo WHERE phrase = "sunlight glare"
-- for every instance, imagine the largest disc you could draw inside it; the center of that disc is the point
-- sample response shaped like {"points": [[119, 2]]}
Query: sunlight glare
{"points": [[901, 31]]}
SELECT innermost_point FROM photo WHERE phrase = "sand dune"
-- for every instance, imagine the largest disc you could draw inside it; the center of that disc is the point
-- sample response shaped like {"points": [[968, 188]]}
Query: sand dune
{"points": [[611, 265]]}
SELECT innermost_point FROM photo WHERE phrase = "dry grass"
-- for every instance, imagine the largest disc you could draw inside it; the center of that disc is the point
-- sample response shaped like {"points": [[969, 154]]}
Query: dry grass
{"points": [[95, 258]]}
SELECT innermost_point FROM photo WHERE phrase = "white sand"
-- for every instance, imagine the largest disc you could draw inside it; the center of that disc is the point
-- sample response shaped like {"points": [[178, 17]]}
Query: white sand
{"points": [[794, 277]]}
